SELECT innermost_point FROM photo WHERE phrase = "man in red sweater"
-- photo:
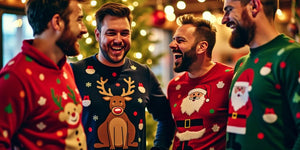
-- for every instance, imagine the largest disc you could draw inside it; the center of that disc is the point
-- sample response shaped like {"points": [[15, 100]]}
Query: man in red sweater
{"points": [[199, 96], [40, 103]]}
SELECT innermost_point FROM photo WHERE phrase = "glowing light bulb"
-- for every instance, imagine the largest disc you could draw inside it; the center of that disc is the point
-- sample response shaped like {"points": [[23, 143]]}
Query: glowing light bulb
{"points": [[143, 32], [93, 3], [169, 9], [181, 5], [138, 55]]}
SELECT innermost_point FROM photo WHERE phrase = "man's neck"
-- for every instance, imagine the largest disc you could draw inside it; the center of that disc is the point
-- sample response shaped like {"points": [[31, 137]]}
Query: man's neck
{"points": [[104, 61], [200, 70]]}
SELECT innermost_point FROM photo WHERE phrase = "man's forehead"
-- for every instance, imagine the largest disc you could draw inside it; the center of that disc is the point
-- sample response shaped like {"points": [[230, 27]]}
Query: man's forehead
{"points": [[185, 30]]}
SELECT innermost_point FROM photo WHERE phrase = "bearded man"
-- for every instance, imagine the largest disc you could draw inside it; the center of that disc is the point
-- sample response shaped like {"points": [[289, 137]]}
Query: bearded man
{"points": [[198, 97], [273, 59]]}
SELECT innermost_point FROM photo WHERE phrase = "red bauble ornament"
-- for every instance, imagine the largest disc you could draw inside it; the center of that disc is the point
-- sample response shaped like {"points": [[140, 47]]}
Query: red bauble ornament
{"points": [[158, 17], [292, 28]]}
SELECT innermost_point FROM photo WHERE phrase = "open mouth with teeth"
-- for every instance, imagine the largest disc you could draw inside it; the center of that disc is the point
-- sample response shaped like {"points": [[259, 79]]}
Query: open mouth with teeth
{"points": [[116, 50], [177, 55], [231, 25]]}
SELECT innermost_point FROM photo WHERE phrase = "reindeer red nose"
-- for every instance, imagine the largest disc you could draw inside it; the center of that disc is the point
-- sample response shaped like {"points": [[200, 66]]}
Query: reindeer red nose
{"points": [[117, 110]]}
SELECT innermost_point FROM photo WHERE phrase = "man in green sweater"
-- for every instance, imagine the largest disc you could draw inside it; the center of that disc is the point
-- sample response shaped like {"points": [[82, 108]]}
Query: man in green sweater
{"points": [[264, 109]]}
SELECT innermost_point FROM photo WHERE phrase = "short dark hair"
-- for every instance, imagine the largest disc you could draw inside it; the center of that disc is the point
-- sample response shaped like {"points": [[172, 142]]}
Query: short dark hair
{"points": [[40, 12], [204, 30], [270, 7], [113, 9]]}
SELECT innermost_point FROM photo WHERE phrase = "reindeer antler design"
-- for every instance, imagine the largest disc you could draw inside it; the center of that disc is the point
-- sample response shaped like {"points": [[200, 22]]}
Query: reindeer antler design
{"points": [[57, 100], [130, 86], [101, 87], [72, 95]]}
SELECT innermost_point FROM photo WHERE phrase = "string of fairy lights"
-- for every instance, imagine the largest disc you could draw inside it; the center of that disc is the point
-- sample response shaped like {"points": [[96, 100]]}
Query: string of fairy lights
{"points": [[169, 11], [170, 16]]}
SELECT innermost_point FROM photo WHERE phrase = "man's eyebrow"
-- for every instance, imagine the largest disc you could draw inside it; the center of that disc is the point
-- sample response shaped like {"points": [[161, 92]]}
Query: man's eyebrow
{"points": [[178, 37]]}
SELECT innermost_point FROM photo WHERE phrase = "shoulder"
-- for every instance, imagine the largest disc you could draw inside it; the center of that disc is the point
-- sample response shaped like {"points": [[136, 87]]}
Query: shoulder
{"points": [[82, 63], [290, 50], [16, 65], [143, 68], [224, 68], [179, 77]]}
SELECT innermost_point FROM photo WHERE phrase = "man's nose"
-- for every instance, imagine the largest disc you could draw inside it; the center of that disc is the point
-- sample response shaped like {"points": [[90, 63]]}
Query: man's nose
{"points": [[225, 19]]}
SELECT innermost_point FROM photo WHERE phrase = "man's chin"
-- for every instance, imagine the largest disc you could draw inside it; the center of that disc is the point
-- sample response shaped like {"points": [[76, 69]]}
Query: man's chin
{"points": [[236, 42], [116, 60], [72, 51], [178, 69]]}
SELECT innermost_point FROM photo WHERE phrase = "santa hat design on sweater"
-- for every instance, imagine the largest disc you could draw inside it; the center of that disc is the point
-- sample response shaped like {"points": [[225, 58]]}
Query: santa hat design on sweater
{"points": [[86, 101], [265, 70], [90, 70], [269, 116], [240, 106]]}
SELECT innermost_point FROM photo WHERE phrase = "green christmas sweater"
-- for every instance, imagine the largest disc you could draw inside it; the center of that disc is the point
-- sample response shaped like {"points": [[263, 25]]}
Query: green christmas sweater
{"points": [[264, 107]]}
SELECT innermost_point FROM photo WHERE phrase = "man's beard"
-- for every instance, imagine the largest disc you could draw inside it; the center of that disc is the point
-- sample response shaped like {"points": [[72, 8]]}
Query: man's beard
{"points": [[243, 35], [106, 56], [68, 43], [188, 58]]}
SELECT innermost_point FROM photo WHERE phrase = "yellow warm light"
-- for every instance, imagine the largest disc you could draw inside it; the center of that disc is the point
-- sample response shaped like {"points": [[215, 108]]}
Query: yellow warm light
{"points": [[79, 57], [88, 18], [171, 17], [151, 47], [133, 23], [169, 9], [135, 3], [149, 61], [88, 40], [143, 32], [94, 23], [281, 15], [18, 23], [181, 5], [93, 3], [131, 7], [138, 55]]}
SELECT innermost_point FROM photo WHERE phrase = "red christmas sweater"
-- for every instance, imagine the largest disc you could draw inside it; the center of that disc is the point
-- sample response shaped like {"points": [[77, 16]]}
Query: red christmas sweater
{"points": [[199, 108], [40, 103]]}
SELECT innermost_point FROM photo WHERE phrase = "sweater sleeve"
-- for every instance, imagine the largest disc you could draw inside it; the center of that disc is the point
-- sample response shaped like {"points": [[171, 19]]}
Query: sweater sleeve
{"points": [[12, 107], [291, 87], [159, 107]]}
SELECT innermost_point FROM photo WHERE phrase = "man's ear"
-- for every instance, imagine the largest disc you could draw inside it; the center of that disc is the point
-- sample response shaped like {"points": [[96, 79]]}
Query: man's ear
{"points": [[97, 34], [201, 47], [57, 23], [255, 7]]}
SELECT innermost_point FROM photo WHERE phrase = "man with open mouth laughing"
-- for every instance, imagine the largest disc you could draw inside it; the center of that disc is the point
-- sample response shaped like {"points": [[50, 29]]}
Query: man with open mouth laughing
{"points": [[198, 97], [116, 89]]}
